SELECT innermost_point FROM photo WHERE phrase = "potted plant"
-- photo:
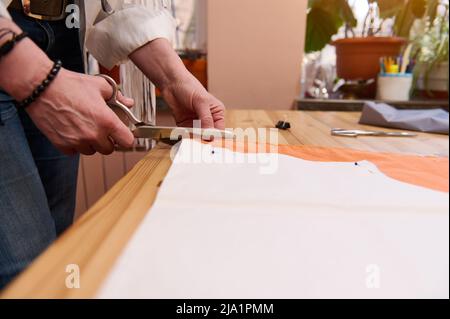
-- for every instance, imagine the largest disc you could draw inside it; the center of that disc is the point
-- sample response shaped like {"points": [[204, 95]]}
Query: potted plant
{"points": [[358, 55], [431, 50]]}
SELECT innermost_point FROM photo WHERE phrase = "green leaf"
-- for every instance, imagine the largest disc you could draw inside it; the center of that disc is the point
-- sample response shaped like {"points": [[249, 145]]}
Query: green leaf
{"points": [[321, 26], [432, 8], [325, 17], [311, 3], [389, 8], [418, 8], [408, 14], [335, 7], [346, 14]]}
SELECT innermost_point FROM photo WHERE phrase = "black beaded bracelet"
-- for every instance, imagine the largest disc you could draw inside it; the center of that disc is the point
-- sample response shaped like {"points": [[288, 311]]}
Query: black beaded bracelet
{"points": [[7, 47], [42, 87]]}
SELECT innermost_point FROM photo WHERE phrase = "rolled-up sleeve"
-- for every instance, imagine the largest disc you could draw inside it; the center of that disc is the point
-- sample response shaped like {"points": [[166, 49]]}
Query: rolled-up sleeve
{"points": [[3, 12], [112, 39]]}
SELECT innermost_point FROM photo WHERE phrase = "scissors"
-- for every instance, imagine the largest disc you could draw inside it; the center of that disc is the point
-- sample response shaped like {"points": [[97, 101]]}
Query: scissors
{"points": [[166, 134], [356, 133]]}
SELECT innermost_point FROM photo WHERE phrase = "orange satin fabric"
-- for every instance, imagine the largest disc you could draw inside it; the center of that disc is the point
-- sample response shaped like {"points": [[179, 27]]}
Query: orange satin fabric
{"points": [[429, 172]]}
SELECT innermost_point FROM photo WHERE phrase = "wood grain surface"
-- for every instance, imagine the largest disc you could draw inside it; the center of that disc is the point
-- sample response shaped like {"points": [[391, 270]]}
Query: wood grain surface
{"points": [[96, 240]]}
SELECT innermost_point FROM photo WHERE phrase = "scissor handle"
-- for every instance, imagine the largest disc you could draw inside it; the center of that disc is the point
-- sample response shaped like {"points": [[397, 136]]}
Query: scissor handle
{"points": [[113, 102]]}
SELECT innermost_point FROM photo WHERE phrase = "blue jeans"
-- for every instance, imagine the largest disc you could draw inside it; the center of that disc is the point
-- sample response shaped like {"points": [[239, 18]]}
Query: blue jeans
{"points": [[37, 182]]}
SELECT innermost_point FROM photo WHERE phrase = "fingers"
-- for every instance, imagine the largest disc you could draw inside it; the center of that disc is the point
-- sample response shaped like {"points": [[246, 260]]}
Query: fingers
{"points": [[80, 148], [218, 114], [212, 116], [186, 122], [109, 130], [104, 145], [116, 130], [76, 119], [86, 149], [127, 101], [106, 90], [209, 110], [205, 115], [119, 132], [122, 136]]}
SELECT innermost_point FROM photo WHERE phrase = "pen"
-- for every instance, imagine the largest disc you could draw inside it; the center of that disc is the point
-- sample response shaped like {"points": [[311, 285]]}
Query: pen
{"points": [[406, 59], [382, 65]]}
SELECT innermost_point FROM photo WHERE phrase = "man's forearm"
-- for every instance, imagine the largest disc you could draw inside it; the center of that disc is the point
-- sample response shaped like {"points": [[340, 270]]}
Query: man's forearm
{"points": [[160, 63], [24, 68]]}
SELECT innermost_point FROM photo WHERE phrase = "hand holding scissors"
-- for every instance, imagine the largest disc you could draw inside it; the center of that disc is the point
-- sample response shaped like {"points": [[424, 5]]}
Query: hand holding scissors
{"points": [[161, 133]]}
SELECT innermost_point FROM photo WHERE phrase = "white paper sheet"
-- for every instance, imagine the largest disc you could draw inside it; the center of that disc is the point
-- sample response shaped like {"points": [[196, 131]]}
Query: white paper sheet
{"points": [[312, 230]]}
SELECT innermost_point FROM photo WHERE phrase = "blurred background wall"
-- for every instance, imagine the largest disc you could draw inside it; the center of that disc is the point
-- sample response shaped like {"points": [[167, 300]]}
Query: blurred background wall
{"points": [[255, 50]]}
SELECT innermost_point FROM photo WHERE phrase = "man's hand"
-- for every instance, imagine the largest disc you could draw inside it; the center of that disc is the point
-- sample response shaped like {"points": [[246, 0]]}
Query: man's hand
{"points": [[185, 95], [72, 113]]}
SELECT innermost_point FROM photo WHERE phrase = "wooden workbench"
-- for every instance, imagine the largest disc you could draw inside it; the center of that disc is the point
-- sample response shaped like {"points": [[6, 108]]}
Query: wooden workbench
{"points": [[97, 239]]}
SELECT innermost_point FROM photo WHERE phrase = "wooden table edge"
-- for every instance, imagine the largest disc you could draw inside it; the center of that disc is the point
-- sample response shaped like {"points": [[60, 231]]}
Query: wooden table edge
{"points": [[94, 268]]}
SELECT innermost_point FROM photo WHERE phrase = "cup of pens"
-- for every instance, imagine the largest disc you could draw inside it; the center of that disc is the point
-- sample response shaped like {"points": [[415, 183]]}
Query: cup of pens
{"points": [[395, 79]]}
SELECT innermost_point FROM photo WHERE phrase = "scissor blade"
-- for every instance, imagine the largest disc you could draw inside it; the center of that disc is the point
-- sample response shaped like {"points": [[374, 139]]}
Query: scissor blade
{"points": [[356, 133], [177, 133], [153, 132], [399, 134]]}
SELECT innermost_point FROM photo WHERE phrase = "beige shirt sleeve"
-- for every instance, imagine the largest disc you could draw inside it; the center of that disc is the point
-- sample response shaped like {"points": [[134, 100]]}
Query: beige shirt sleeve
{"points": [[3, 5], [132, 25]]}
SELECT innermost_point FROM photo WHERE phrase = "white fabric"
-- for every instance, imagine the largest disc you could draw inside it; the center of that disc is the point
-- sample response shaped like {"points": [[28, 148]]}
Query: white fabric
{"points": [[312, 230], [112, 38], [3, 12]]}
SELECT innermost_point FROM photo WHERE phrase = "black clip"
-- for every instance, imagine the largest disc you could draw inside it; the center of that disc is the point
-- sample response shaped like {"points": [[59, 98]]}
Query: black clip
{"points": [[282, 125]]}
